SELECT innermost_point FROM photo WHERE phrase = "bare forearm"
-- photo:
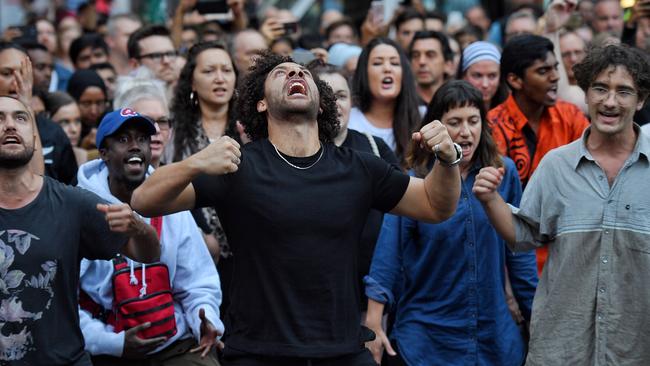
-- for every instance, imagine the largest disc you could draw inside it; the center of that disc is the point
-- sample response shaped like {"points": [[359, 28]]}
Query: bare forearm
{"points": [[143, 246], [164, 192], [177, 26], [374, 314], [501, 218], [442, 185], [37, 164]]}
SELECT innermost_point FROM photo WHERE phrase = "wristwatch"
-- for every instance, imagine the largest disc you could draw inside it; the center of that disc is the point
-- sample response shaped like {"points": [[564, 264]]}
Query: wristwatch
{"points": [[459, 155]]}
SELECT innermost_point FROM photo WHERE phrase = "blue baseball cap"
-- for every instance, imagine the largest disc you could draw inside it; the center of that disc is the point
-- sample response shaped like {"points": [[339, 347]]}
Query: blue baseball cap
{"points": [[114, 120]]}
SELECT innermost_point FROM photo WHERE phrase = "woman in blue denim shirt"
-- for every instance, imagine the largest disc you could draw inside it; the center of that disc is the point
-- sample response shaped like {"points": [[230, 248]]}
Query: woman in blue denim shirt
{"points": [[451, 308]]}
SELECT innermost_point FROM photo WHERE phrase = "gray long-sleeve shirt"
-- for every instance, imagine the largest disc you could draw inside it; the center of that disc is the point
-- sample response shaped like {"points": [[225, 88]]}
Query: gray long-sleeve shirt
{"points": [[592, 305]]}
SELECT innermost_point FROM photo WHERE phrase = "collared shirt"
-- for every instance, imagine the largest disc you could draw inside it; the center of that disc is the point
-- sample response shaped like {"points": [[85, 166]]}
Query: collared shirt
{"points": [[451, 309], [559, 125], [592, 306]]}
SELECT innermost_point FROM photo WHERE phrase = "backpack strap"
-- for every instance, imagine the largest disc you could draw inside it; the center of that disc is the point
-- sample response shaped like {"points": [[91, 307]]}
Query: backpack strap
{"points": [[373, 144], [118, 262]]}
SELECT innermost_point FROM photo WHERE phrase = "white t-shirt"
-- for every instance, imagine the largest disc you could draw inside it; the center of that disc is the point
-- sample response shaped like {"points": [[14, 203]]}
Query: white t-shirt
{"points": [[360, 123]]}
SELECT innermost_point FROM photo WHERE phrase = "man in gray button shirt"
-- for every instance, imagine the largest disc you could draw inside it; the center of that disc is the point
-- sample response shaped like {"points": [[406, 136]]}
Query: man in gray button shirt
{"points": [[588, 202]]}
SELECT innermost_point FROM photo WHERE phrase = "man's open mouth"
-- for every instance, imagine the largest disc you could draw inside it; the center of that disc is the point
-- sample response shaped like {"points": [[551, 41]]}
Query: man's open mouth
{"points": [[297, 87]]}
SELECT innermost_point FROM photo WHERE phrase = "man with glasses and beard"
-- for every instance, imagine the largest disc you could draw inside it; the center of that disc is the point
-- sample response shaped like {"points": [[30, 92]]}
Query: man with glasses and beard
{"points": [[45, 228]]}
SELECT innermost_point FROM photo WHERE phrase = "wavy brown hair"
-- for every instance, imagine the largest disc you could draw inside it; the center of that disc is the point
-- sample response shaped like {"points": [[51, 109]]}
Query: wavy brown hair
{"points": [[451, 95], [599, 59], [251, 91]]}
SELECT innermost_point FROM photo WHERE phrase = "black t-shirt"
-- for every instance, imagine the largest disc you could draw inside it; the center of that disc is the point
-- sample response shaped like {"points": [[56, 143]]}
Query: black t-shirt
{"points": [[60, 162], [359, 141], [41, 245], [295, 240]]}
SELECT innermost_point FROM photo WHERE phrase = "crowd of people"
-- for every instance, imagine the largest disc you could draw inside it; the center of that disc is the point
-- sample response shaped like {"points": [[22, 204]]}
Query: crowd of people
{"points": [[401, 188]]}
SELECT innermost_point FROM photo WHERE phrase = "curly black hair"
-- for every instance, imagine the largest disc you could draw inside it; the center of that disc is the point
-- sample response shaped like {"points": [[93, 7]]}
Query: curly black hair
{"points": [[186, 113], [251, 91], [599, 59]]}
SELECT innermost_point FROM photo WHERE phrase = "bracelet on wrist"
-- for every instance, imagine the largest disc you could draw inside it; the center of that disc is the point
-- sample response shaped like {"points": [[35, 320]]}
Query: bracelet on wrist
{"points": [[459, 155]]}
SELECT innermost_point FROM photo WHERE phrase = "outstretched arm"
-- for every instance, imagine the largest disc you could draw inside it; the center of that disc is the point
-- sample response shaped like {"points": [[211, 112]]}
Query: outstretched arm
{"points": [[435, 197], [169, 188], [143, 244]]}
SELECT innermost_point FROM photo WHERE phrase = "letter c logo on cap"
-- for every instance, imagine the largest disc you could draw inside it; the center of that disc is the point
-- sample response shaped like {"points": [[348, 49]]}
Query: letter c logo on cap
{"points": [[127, 112]]}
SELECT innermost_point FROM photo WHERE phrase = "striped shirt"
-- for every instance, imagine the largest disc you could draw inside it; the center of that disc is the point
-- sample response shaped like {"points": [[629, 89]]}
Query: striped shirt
{"points": [[592, 305]]}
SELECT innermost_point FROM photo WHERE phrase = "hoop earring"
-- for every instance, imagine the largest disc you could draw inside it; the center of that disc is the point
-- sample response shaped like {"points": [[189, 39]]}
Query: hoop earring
{"points": [[194, 99]]}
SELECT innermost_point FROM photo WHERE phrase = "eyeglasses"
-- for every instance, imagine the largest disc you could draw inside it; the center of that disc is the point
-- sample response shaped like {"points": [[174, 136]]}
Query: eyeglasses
{"points": [[158, 56], [163, 123], [624, 97]]}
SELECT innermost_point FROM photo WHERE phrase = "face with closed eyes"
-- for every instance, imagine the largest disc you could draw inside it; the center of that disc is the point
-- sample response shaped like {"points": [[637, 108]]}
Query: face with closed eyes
{"points": [[384, 73]]}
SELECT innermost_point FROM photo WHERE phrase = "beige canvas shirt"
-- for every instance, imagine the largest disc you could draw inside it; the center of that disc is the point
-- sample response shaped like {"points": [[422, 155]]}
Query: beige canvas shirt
{"points": [[592, 305]]}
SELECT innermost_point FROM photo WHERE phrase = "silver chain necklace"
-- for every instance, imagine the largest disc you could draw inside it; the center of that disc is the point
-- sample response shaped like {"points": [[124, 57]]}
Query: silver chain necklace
{"points": [[322, 150]]}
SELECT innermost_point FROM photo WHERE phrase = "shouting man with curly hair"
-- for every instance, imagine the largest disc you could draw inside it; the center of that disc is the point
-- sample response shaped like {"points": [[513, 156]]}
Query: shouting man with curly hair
{"points": [[588, 203], [293, 206]]}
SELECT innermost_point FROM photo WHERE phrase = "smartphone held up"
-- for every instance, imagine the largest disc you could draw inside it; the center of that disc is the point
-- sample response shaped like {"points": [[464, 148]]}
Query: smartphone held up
{"points": [[214, 9]]}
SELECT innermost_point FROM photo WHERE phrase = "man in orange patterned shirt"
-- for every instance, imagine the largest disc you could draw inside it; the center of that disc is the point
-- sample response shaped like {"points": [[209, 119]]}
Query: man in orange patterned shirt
{"points": [[531, 122]]}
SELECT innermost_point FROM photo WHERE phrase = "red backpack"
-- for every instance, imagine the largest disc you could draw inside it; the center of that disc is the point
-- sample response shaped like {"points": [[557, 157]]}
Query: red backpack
{"points": [[139, 301]]}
